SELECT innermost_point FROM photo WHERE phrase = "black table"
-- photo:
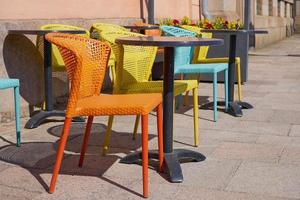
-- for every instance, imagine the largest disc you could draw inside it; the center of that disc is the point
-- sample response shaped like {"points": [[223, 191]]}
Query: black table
{"points": [[234, 107], [42, 115], [172, 157], [142, 28]]}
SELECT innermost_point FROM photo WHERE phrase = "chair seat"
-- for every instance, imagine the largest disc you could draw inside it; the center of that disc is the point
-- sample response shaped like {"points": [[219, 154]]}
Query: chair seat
{"points": [[201, 68], [217, 60], [180, 86], [118, 104], [9, 83]]}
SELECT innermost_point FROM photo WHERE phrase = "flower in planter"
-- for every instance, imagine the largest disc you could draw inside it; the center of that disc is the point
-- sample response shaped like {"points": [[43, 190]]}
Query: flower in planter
{"points": [[186, 21], [176, 22], [166, 21], [208, 25]]}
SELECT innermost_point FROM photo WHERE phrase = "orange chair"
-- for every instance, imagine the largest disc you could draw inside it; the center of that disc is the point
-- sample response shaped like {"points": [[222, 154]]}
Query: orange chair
{"points": [[86, 61]]}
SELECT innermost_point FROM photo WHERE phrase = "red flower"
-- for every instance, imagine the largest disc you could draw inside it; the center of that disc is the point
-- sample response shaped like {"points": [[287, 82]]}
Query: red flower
{"points": [[175, 22], [208, 25]]}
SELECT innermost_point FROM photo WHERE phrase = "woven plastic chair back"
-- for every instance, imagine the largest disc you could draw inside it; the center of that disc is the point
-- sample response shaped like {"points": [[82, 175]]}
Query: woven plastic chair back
{"points": [[183, 55], [57, 61], [86, 61], [133, 63], [202, 52], [151, 32], [97, 28]]}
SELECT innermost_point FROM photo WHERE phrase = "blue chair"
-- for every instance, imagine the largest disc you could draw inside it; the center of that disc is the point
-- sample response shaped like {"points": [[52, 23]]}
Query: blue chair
{"points": [[14, 83], [183, 59]]}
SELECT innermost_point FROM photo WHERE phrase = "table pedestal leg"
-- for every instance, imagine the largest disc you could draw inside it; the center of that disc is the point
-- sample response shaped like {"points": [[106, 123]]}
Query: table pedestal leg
{"points": [[171, 161], [172, 158], [42, 116]]}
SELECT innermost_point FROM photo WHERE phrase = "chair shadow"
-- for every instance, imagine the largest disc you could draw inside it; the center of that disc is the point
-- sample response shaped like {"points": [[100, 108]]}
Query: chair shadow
{"points": [[204, 105], [39, 157]]}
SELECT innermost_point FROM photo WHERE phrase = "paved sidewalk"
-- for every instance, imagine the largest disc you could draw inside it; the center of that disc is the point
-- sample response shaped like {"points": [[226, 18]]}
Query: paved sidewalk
{"points": [[253, 157]]}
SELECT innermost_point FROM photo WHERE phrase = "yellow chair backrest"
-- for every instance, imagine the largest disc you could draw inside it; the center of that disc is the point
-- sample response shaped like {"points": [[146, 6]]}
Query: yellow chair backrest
{"points": [[97, 28], [57, 61], [133, 63], [203, 50]]}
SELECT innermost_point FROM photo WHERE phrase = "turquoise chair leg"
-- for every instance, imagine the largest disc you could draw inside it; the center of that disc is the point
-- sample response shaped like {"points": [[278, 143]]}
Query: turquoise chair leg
{"points": [[215, 93], [17, 114], [226, 89]]}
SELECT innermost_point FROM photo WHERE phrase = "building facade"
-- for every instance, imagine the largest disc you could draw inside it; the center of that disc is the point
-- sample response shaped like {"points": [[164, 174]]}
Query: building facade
{"points": [[273, 15]]}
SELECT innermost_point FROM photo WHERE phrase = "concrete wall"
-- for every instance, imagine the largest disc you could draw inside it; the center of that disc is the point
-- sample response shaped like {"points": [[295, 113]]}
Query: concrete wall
{"points": [[279, 27]]}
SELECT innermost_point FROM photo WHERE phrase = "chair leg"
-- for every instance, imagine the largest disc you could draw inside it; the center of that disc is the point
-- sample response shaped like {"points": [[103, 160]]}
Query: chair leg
{"points": [[239, 80], [160, 137], [17, 114], [215, 93], [60, 153], [85, 139], [196, 129], [145, 154], [107, 135], [226, 88], [136, 126]]}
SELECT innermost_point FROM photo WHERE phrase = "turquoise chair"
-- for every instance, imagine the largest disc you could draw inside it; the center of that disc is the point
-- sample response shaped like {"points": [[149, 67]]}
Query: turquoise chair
{"points": [[184, 57], [14, 83]]}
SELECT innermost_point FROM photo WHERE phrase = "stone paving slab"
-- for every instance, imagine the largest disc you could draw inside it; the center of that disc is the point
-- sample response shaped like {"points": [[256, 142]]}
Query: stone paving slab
{"points": [[267, 179]]}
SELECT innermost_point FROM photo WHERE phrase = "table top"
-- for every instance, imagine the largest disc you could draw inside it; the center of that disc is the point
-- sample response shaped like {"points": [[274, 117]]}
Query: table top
{"points": [[44, 32], [143, 27], [169, 41], [238, 31]]}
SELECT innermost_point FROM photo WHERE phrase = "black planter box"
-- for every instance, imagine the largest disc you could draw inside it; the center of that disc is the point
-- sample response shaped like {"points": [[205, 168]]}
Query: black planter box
{"points": [[223, 51]]}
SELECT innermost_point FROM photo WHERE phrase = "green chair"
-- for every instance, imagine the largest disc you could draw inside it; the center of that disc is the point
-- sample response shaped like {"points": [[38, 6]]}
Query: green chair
{"points": [[201, 56], [14, 83], [182, 65]]}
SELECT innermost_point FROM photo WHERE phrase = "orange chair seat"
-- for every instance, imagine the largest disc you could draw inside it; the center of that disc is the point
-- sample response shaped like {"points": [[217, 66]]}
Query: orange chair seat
{"points": [[118, 104]]}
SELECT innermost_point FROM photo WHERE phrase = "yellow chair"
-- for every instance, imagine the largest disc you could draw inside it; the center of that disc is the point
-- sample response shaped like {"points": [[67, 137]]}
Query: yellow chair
{"points": [[96, 30], [201, 54], [57, 61], [133, 70]]}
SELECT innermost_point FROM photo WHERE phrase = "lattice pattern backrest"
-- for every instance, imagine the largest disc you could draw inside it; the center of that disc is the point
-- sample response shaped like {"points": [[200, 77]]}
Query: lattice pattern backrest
{"points": [[182, 54], [97, 28], [57, 60], [134, 63], [202, 52], [86, 61]]}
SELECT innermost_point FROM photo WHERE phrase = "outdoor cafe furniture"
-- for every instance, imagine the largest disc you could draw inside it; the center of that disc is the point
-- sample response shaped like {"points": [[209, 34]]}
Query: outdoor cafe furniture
{"points": [[42, 115], [86, 62], [172, 157], [202, 56], [182, 64], [234, 107], [95, 31], [57, 61], [150, 32], [14, 83], [133, 72], [142, 28]]}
